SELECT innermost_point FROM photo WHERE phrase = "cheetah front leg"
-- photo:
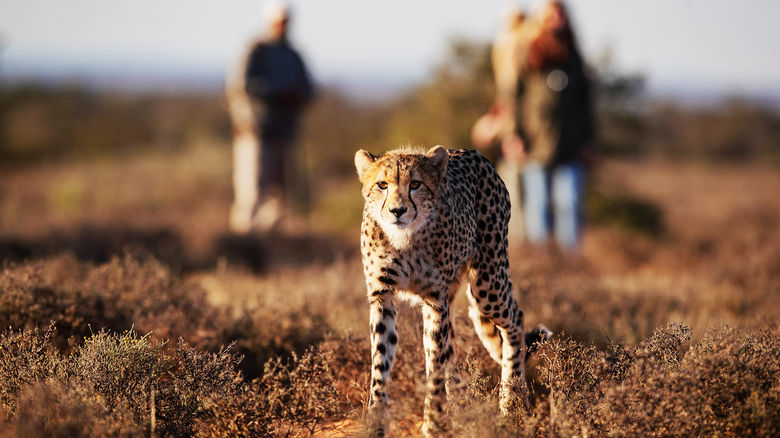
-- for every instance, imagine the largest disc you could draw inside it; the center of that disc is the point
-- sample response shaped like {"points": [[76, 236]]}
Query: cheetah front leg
{"points": [[437, 331], [384, 342]]}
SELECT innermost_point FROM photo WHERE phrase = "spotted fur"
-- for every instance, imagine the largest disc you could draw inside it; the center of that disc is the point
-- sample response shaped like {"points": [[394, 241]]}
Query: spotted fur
{"points": [[430, 220]]}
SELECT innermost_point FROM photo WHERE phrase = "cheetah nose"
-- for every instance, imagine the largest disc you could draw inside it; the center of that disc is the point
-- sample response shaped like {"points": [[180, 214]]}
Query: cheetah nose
{"points": [[398, 211]]}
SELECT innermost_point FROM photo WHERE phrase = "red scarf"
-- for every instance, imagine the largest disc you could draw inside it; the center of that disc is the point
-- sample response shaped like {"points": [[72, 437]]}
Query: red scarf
{"points": [[550, 49]]}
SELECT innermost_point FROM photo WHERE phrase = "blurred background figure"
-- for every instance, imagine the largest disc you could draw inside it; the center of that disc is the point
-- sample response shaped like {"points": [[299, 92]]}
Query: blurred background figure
{"points": [[266, 94], [554, 130], [507, 56]]}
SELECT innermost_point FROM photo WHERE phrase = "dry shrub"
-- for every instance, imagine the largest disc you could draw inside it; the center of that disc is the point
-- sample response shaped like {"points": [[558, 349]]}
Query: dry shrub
{"points": [[29, 301], [473, 406], [301, 395], [127, 293], [350, 358], [157, 300], [121, 369], [294, 397], [123, 293], [53, 409], [197, 385], [726, 384], [26, 357], [120, 384], [241, 416], [109, 385], [264, 334]]}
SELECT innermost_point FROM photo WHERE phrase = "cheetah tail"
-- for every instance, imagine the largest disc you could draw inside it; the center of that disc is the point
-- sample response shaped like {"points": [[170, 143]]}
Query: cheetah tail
{"points": [[534, 338]]}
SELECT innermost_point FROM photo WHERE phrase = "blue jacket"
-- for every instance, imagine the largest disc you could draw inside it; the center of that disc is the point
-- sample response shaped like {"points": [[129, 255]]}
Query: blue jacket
{"points": [[276, 77]]}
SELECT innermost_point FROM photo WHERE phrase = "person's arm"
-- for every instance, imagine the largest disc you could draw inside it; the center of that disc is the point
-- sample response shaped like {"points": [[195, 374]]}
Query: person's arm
{"points": [[238, 102], [306, 85]]}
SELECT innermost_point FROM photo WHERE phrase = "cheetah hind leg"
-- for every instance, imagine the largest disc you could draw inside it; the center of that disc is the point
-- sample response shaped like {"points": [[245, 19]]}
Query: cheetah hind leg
{"points": [[491, 337], [486, 330]]}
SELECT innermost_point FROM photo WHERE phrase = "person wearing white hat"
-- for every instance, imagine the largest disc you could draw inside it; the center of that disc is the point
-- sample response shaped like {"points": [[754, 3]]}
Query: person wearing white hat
{"points": [[266, 95]]}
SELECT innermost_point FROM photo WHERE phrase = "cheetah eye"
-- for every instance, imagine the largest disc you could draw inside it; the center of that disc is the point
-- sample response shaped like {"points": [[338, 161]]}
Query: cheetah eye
{"points": [[382, 185], [414, 185]]}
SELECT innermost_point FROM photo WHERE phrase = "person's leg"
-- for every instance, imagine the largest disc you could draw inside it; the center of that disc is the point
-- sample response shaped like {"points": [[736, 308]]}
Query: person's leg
{"points": [[271, 183], [289, 177], [272, 168], [567, 188], [536, 202], [245, 177], [510, 172]]}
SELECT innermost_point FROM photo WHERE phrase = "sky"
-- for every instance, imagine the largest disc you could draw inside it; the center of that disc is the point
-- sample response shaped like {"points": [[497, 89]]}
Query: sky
{"points": [[723, 46]]}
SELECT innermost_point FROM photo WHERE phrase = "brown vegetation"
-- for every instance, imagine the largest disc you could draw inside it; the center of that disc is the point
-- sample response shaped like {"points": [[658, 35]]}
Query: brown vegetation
{"points": [[616, 366]]}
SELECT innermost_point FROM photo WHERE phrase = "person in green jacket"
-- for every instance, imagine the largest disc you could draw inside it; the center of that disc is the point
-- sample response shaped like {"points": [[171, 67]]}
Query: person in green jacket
{"points": [[554, 130]]}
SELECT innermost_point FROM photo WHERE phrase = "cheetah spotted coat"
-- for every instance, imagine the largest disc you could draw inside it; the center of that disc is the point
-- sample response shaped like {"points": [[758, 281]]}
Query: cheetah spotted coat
{"points": [[430, 220]]}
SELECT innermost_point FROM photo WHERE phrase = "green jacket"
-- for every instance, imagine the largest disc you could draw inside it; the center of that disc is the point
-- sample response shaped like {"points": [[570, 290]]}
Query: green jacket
{"points": [[553, 113]]}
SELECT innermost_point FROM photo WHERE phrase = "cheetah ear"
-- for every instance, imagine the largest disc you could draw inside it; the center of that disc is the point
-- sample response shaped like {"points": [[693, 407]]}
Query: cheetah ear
{"points": [[437, 158], [363, 161]]}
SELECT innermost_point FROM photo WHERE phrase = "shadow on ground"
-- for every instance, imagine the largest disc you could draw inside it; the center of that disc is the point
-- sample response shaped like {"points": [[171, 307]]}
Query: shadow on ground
{"points": [[260, 252], [255, 252]]}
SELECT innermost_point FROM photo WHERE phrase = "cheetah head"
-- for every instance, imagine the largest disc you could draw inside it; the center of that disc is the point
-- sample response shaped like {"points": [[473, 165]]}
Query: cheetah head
{"points": [[400, 189]]}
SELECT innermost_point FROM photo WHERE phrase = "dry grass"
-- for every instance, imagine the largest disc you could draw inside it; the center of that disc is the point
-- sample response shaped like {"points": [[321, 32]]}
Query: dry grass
{"points": [[672, 333]]}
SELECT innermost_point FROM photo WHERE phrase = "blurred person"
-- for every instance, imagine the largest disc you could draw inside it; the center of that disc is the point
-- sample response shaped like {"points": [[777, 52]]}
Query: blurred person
{"points": [[508, 55], [266, 94], [554, 130], [507, 58]]}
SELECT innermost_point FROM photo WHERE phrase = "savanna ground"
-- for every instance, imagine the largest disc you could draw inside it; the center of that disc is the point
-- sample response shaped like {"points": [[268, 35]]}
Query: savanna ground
{"points": [[128, 310]]}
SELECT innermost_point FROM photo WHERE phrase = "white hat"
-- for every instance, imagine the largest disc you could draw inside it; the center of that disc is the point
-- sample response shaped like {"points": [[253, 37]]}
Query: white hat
{"points": [[275, 11]]}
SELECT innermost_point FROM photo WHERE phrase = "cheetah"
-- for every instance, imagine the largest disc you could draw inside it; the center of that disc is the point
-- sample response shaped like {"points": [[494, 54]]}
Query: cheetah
{"points": [[431, 219]]}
